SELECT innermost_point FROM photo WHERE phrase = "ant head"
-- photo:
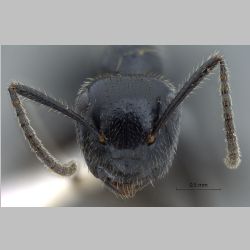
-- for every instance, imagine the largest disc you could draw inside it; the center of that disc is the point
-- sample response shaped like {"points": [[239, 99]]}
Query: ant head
{"points": [[124, 110]]}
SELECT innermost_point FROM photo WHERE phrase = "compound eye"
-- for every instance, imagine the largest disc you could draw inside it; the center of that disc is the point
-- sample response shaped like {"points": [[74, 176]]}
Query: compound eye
{"points": [[151, 139], [102, 137]]}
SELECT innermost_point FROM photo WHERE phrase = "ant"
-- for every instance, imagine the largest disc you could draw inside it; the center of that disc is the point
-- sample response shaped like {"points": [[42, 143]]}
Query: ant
{"points": [[128, 119]]}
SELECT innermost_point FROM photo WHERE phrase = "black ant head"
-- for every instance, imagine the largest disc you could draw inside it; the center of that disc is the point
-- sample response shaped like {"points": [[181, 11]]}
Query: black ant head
{"points": [[123, 110]]}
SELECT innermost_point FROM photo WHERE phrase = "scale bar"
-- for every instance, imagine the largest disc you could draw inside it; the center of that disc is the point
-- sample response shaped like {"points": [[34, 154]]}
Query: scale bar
{"points": [[218, 189]]}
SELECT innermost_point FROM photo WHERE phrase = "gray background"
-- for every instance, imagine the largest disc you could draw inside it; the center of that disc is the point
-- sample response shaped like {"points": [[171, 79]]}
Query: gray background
{"points": [[60, 70]]}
